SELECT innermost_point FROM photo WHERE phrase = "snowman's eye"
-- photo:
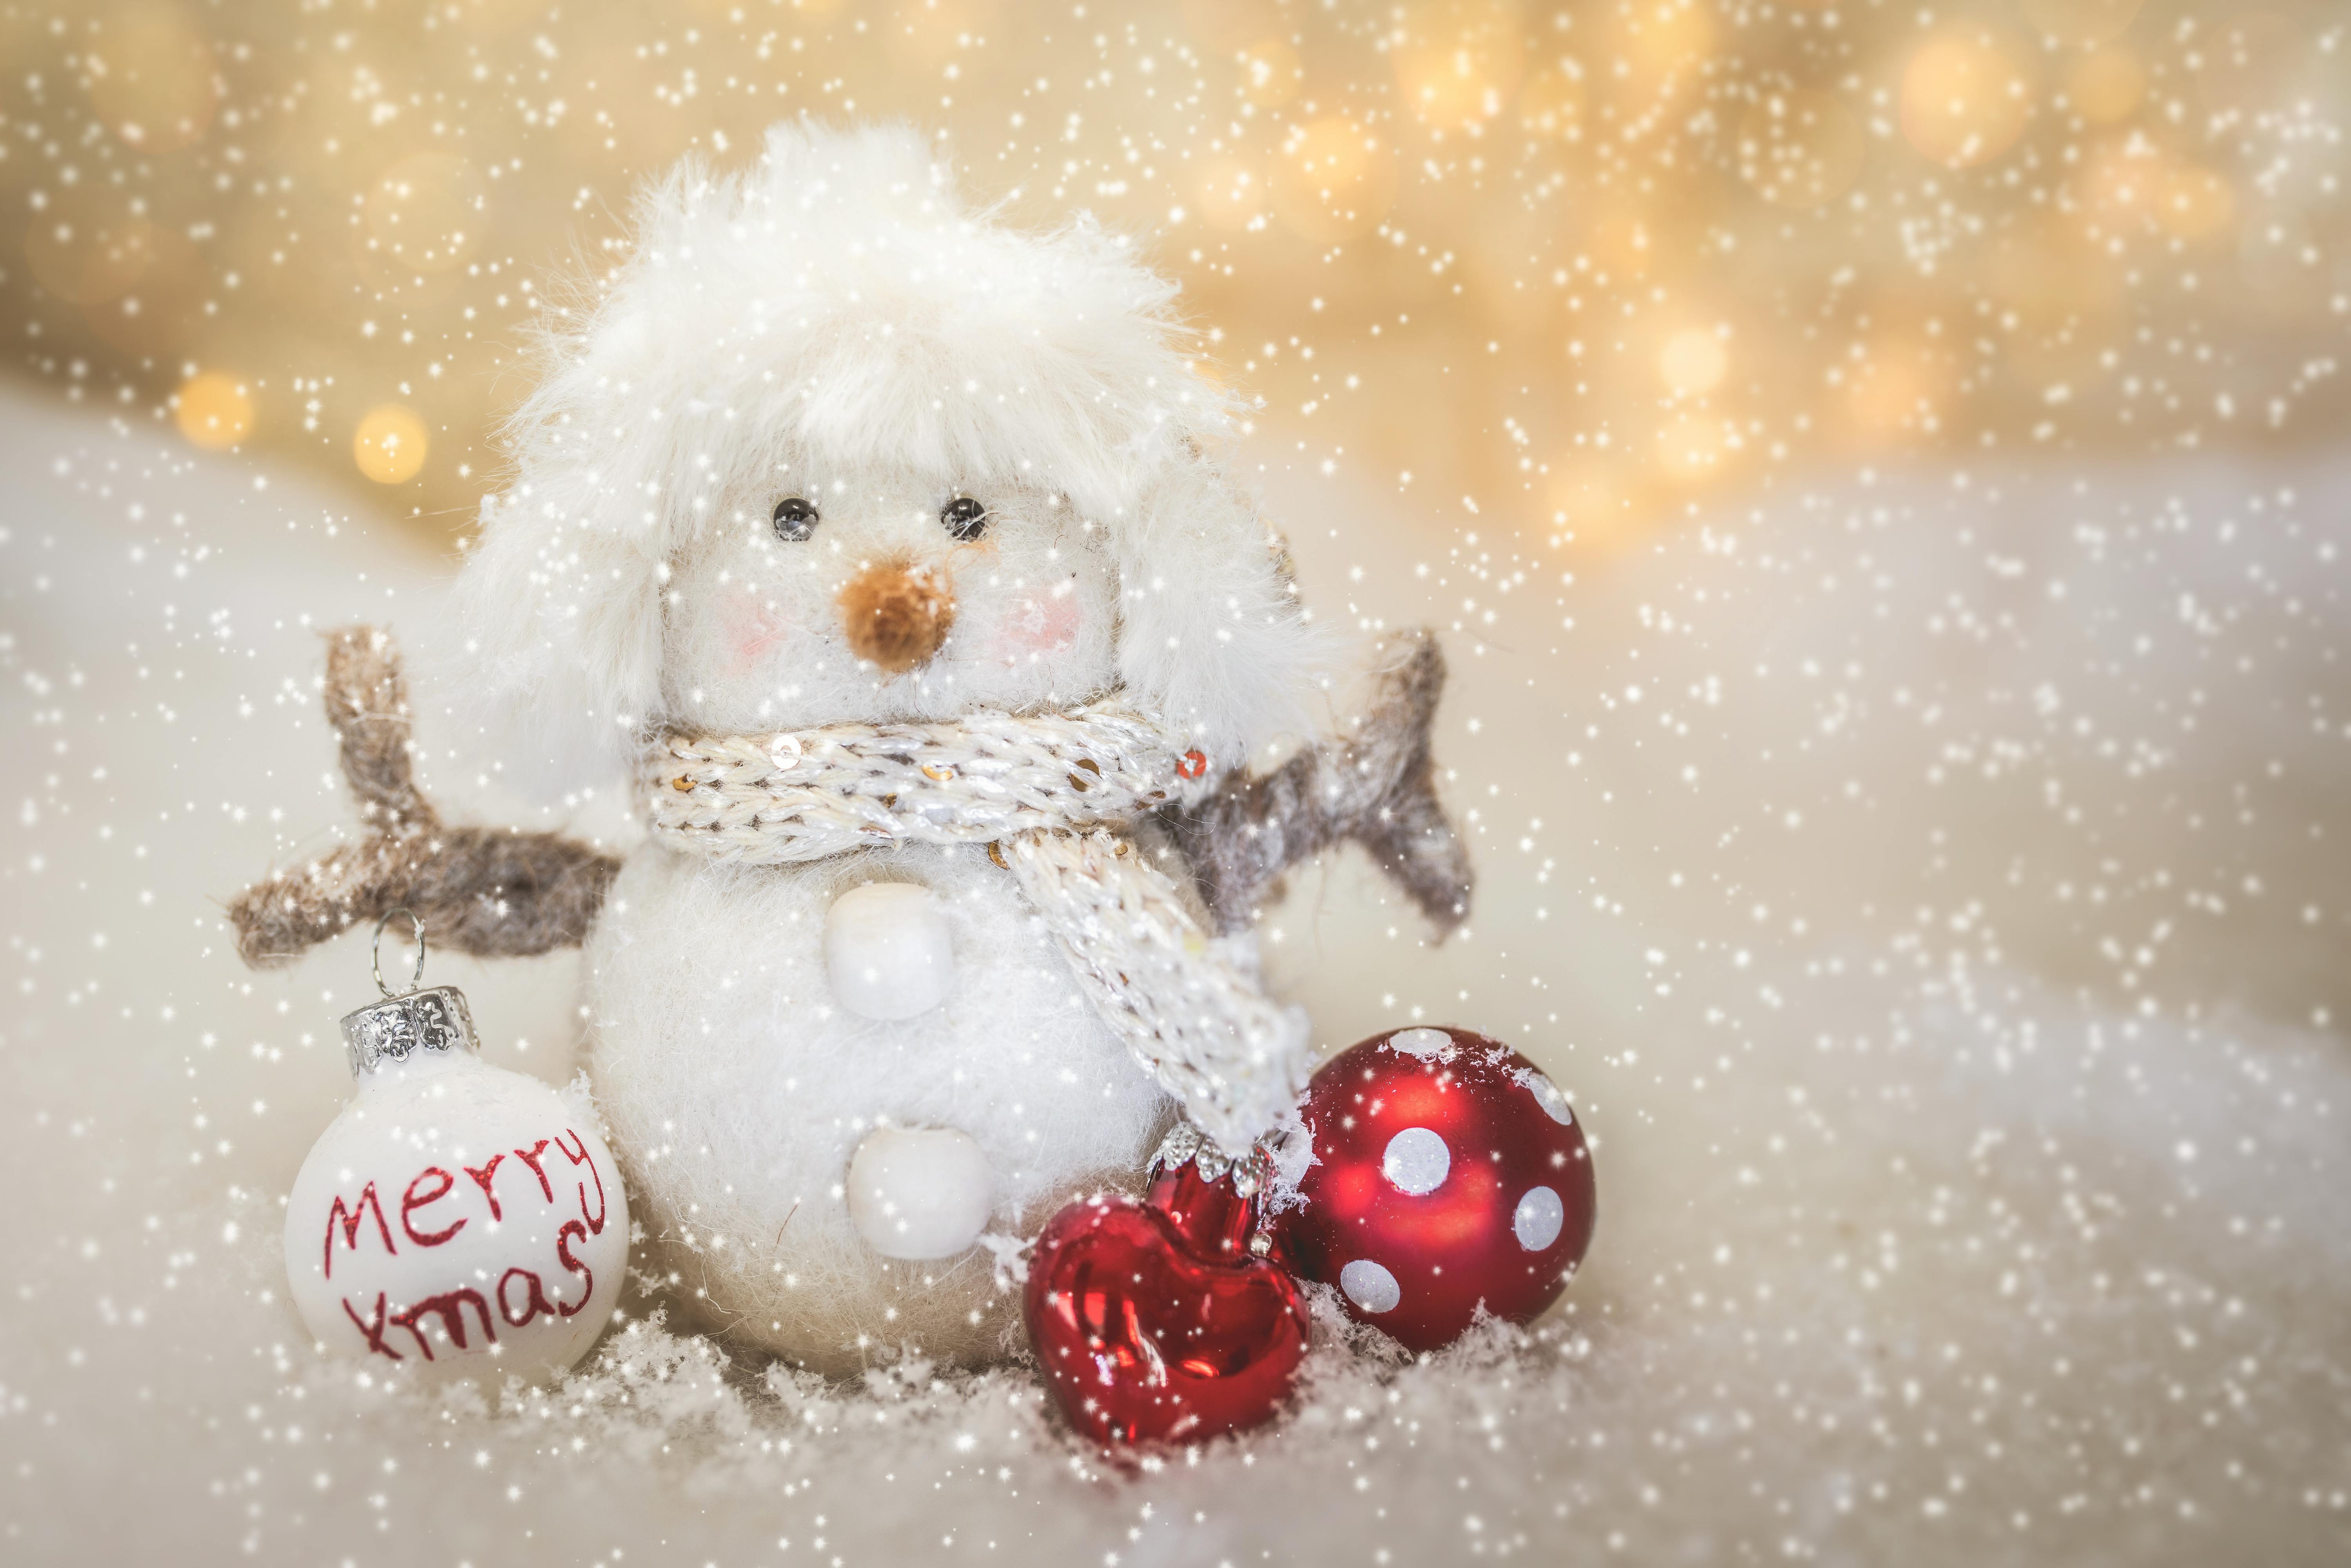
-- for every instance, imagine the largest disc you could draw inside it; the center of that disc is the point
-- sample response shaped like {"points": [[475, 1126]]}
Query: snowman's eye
{"points": [[964, 518], [795, 519]]}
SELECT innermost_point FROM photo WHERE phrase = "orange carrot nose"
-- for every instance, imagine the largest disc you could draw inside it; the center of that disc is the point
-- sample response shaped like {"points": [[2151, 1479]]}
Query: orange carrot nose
{"points": [[895, 616]]}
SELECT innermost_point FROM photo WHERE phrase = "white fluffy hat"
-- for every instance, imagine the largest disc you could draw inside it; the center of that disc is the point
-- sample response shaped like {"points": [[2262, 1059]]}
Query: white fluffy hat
{"points": [[839, 297]]}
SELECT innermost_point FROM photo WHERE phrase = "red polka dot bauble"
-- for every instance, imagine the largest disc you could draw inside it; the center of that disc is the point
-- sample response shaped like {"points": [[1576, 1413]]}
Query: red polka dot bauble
{"points": [[1448, 1172]]}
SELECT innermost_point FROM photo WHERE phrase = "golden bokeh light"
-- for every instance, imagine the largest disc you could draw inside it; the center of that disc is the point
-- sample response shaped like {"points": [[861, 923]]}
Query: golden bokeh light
{"points": [[1269, 73], [1336, 180], [1693, 360], [1552, 103], [215, 410], [1596, 501], [1457, 61], [490, 18], [1965, 99], [1229, 193], [141, 286], [2196, 204], [925, 35], [1655, 48], [1590, 264], [1623, 242], [2056, 298], [152, 77], [2080, 21], [1226, 26], [2122, 179], [1693, 446], [1900, 383], [80, 253], [160, 307], [2105, 86], [390, 443], [426, 214], [1799, 149]]}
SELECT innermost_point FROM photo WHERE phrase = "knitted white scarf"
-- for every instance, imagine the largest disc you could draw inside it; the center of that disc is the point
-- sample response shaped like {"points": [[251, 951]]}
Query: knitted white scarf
{"points": [[1050, 795]]}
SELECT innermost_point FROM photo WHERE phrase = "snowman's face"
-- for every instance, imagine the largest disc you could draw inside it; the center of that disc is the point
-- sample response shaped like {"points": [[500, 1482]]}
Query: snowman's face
{"points": [[812, 597]]}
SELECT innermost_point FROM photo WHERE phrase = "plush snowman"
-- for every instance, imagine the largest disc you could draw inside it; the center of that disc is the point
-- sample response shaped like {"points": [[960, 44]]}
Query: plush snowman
{"points": [[893, 550]]}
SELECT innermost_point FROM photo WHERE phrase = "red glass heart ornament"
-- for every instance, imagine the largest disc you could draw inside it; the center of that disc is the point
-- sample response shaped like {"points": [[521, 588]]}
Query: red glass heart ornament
{"points": [[1448, 1172], [1154, 1322]]}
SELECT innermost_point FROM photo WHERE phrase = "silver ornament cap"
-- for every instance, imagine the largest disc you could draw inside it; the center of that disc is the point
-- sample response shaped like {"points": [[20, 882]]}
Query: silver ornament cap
{"points": [[420, 1020]]}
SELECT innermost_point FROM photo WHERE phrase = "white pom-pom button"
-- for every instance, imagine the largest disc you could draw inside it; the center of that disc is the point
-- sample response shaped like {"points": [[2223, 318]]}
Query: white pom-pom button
{"points": [[1416, 1161], [920, 1192], [1540, 1215], [1369, 1286], [887, 952]]}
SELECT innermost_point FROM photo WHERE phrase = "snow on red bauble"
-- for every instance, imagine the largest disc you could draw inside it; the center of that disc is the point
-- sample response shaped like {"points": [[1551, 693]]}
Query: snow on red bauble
{"points": [[1153, 1322], [1448, 1172]]}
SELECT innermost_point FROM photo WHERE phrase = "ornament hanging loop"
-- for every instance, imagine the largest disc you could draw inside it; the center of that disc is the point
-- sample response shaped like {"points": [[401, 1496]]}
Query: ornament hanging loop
{"points": [[375, 952], [405, 1022]]}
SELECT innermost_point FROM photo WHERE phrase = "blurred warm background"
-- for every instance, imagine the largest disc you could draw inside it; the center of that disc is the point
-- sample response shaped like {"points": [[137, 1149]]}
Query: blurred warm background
{"points": [[1582, 264]]}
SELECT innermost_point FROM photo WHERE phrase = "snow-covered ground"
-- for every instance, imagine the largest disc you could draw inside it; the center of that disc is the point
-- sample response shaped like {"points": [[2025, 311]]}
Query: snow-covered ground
{"points": [[1932, 887]]}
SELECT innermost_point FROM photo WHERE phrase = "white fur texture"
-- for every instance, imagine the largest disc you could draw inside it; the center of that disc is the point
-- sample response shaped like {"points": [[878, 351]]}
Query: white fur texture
{"points": [[839, 326], [839, 322]]}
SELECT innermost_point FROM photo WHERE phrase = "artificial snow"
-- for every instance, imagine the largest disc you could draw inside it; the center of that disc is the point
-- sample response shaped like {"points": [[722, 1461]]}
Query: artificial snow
{"points": [[1927, 885]]}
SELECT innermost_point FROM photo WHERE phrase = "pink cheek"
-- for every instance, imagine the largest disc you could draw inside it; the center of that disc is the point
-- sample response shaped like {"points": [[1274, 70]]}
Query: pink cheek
{"points": [[754, 631], [1046, 625]]}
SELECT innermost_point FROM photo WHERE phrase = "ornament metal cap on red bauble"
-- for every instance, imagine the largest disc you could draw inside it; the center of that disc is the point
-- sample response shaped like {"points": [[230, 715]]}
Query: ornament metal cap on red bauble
{"points": [[1450, 1174], [1153, 1322]]}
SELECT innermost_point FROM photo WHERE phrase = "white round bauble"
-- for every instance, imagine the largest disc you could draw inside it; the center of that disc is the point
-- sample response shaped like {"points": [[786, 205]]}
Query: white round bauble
{"points": [[920, 1192], [887, 951], [456, 1220]]}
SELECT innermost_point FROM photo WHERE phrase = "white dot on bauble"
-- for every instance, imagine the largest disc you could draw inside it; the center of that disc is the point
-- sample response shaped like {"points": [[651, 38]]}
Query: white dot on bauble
{"points": [[1551, 1097], [1538, 1217], [1425, 1043], [1369, 1286], [1416, 1161]]}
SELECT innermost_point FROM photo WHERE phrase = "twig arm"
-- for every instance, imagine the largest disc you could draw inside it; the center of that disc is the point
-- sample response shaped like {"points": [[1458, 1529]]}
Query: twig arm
{"points": [[485, 890], [1376, 786]]}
